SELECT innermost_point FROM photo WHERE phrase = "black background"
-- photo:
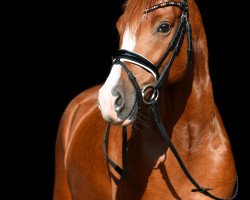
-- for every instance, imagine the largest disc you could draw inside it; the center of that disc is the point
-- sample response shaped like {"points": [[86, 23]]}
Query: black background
{"points": [[73, 52]]}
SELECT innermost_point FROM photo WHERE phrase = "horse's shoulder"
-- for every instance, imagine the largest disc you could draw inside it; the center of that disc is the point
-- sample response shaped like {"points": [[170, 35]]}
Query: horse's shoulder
{"points": [[79, 109]]}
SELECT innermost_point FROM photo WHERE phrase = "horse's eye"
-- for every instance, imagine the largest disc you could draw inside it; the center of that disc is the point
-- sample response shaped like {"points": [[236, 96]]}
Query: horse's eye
{"points": [[164, 28]]}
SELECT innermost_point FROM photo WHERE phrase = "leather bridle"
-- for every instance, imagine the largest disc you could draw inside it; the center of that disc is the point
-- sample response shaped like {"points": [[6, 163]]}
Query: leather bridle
{"points": [[137, 59]]}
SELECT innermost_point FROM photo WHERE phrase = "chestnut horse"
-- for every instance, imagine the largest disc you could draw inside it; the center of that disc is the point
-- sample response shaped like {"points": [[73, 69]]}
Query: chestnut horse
{"points": [[159, 88]]}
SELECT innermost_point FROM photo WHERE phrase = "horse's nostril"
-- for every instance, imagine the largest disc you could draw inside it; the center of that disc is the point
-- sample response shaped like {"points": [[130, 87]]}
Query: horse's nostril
{"points": [[119, 103]]}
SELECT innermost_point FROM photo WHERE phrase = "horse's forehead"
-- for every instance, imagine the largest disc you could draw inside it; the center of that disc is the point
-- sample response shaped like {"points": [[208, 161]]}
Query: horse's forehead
{"points": [[133, 13], [133, 19]]}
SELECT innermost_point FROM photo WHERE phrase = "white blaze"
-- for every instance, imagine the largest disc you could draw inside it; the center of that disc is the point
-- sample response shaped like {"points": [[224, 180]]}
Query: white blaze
{"points": [[106, 99], [129, 40]]}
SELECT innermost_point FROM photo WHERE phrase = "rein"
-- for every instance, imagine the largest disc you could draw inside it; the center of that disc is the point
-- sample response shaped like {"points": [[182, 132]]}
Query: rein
{"points": [[135, 58]]}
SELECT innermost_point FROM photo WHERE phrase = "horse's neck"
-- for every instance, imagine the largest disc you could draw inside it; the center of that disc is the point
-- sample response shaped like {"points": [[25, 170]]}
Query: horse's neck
{"points": [[188, 108]]}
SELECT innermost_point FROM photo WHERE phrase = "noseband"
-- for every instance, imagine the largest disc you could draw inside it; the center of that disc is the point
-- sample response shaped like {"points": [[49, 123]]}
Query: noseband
{"points": [[139, 60]]}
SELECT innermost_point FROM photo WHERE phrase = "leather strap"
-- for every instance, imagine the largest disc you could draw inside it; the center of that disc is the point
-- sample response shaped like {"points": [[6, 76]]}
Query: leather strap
{"points": [[135, 58], [132, 80], [168, 141], [121, 171], [174, 40]]}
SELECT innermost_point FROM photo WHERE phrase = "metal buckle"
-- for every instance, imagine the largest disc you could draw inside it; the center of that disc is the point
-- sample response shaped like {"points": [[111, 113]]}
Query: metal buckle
{"points": [[154, 96]]}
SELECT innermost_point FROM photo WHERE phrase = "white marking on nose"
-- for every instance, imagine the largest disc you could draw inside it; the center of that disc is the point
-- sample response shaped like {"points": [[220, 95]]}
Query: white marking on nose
{"points": [[129, 40], [106, 99], [113, 77]]}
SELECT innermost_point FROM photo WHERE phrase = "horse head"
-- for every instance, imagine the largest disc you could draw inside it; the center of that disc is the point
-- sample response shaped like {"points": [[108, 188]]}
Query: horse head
{"points": [[147, 31]]}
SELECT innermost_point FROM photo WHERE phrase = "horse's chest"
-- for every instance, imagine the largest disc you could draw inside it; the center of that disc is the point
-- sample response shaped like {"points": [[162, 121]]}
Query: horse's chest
{"points": [[155, 175], [163, 181]]}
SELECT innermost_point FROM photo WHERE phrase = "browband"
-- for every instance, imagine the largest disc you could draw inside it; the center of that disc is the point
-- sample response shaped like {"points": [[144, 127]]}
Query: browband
{"points": [[181, 5]]}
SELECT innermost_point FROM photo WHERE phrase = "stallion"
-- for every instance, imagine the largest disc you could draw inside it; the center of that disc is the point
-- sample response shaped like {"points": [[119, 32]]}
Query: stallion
{"points": [[164, 137]]}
